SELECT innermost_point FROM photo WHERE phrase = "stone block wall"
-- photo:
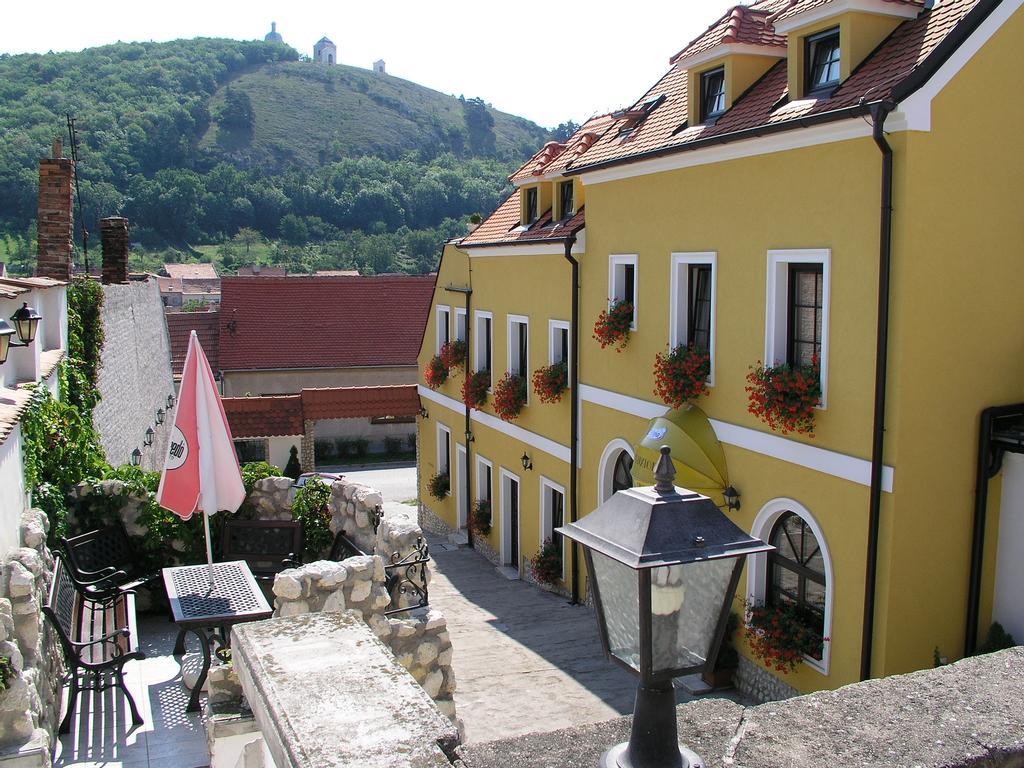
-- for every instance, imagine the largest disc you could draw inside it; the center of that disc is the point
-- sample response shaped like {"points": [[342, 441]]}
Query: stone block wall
{"points": [[758, 684]]}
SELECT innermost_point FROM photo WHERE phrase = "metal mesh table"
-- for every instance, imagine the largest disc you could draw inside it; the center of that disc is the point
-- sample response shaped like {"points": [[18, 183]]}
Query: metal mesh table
{"points": [[197, 608]]}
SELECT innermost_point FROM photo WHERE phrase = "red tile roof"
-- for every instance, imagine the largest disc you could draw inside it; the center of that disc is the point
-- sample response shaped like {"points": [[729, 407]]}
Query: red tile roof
{"points": [[256, 270], [766, 102], [740, 24], [796, 7], [204, 271], [502, 227], [360, 402], [267, 416], [207, 328], [322, 322]]}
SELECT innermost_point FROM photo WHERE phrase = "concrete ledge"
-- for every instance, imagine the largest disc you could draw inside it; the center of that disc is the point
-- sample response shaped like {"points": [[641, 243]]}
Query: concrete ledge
{"points": [[966, 715], [327, 693]]}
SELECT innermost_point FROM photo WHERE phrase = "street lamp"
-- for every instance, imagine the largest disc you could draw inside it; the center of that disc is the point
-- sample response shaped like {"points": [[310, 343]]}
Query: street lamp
{"points": [[664, 563]]}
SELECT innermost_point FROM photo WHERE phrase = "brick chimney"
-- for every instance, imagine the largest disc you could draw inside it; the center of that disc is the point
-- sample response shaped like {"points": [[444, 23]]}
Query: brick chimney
{"points": [[54, 220], [114, 238]]}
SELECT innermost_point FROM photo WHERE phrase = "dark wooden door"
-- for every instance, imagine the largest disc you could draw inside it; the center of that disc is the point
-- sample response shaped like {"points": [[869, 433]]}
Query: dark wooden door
{"points": [[513, 521]]}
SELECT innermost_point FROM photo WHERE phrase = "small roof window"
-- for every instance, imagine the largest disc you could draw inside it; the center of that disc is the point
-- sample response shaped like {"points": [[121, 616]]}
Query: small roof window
{"points": [[822, 57], [712, 94]]}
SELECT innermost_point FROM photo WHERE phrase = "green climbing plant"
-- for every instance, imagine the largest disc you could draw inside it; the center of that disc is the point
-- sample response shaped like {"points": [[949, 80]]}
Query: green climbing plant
{"points": [[311, 508]]}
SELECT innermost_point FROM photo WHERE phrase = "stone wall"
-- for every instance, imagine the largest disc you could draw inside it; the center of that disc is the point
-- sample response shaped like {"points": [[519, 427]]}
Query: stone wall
{"points": [[30, 706], [134, 378], [758, 684]]}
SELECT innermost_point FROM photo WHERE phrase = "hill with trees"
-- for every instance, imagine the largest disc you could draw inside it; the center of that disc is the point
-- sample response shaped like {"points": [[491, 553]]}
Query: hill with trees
{"points": [[198, 140]]}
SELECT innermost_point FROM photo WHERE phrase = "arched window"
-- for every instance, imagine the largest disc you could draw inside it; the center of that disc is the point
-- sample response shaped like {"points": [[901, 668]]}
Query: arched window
{"points": [[622, 477], [796, 569], [614, 469]]}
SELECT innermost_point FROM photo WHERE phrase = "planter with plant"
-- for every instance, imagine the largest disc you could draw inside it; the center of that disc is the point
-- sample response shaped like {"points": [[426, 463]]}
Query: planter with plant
{"points": [[613, 324], [311, 508], [681, 375], [480, 519], [474, 388], [781, 635], [453, 354], [550, 382], [436, 372], [509, 396], [439, 485], [546, 565], [784, 397]]}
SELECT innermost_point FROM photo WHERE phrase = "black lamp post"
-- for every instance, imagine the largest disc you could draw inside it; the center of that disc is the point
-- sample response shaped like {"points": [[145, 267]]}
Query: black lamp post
{"points": [[664, 564], [5, 340]]}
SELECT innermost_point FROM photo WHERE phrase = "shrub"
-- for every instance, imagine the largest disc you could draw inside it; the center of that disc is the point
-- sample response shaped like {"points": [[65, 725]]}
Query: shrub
{"points": [[344, 447], [310, 508], [453, 354], [7, 672], [410, 440], [780, 635], [392, 445], [996, 640], [436, 372], [612, 326], [361, 446], [474, 388], [680, 375], [784, 397], [293, 468], [324, 449], [550, 382], [509, 396], [257, 470], [480, 519], [439, 485], [546, 565]]}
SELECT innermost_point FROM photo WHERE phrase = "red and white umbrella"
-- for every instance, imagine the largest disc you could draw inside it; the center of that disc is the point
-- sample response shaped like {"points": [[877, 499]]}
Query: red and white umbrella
{"points": [[201, 469]]}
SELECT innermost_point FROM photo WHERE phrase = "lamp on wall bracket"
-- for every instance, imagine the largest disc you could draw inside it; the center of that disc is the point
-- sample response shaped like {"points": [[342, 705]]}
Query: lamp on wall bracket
{"points": [[170, 401], [469, 436], [732, 498], [424, 413], [159, 415], [527, 461], [26, 323], [5, 340], [148, 439], [136, 457]]}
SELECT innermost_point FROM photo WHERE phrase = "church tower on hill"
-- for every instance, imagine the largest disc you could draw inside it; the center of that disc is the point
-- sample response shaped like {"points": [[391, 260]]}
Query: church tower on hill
{"points": [[273, 36], [325, 52]]}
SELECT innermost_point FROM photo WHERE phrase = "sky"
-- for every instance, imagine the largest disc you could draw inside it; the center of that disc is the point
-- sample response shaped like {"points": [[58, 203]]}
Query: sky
{"points": [[546, 62]]}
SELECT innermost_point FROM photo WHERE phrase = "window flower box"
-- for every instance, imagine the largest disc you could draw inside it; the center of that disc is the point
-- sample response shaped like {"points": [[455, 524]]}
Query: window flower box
{"points": [[480, 519], [784, 397], [546, 565], [474, 388], [550, 382], [613, 324], [453, 354], [681, 375], [439, 485], [436, 372], [781, 635], [509, 396]]}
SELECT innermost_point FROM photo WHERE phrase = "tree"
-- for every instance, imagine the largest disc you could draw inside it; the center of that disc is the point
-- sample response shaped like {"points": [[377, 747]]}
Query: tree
{"points": [[564, 130], [247, 237], [237, 113], [293, 469]]}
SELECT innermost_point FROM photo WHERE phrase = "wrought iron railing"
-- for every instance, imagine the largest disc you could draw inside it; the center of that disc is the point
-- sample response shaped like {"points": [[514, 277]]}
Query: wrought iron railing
{"points": [[407, 578]]}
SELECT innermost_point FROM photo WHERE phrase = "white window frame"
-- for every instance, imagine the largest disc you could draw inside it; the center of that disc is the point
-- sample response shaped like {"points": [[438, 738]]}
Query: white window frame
{"points": [[513, 352], [622, 259], [460, 317], [481, 477], [479, 339], [757, 568], [505, 555], [463, 506], [553, 327], [442, 430], [606, 466], [777, 306], [546, 514], [679, 297], [443, 310]]}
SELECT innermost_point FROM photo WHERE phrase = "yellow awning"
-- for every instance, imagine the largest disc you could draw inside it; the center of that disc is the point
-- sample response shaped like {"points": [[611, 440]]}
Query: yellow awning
{"points": [[696, 452]]}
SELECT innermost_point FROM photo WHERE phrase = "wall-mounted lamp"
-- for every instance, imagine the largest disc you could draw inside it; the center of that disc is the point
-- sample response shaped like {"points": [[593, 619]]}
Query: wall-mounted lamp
{"points": [[469, 436], [527, 462], [5, 340], [26, 323], [732, 498], [136, 457], [423, 413], [170, 401], [148, 439], [159, 415], [231, 325]]}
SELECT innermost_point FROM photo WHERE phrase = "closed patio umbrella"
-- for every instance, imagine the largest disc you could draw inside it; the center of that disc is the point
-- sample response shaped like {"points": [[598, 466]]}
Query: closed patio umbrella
{"points": [[201, 469]]}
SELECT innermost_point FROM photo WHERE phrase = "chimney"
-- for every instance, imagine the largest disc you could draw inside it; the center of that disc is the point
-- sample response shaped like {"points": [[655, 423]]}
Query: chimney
{"points": [[54, 219], [114, 238]]}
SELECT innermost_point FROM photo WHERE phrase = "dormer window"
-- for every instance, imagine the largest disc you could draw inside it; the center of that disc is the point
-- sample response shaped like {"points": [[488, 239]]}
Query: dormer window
{"points": [[712, 94], [821, 53], [567, 206], [531, 206]]}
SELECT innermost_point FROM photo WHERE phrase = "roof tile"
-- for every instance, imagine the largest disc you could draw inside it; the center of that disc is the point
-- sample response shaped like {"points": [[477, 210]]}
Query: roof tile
{"points": [[207, 327], [268, 416]]}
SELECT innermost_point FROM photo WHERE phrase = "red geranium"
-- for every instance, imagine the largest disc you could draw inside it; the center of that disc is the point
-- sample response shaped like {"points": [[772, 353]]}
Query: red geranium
{"points": [[785, 396], [612, 326], [453, 354], [681, 375], [509, 396], [546, 565], [436, 372], [474, 388], [781, 635], [550, 381]]}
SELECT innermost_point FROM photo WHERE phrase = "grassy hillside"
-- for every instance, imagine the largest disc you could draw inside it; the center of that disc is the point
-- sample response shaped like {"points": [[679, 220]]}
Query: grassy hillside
{"points": [[308, 114]]}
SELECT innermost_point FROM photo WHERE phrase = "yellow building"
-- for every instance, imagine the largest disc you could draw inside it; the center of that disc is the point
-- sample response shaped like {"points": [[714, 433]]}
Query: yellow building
{"points": [[813, 182]]}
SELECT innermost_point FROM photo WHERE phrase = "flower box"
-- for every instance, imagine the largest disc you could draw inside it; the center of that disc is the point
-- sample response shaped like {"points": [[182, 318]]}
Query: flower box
{"points": [[436, 372], [781, 635], [480, 518], [439, 485], [613, 324], [509, 396], [784, 397], [474, 388], [453, 354], [550, 382], [681, 375], [546, 565]]}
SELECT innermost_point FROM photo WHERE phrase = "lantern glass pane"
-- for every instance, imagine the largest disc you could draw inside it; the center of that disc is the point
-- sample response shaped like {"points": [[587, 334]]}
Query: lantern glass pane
{"points": [[686, 603], [620, 605], [5, 341]]}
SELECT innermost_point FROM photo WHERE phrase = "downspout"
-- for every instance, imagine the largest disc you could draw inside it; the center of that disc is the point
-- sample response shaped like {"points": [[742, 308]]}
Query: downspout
{"points": [[467, 471], [574, 405], [879, 114]]}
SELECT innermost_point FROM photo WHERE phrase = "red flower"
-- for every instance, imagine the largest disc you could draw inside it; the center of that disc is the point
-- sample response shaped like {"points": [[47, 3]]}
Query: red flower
{"points": [[474, 388], [680, 375], [784, 396], [509, 396], [453, 354], [436, 372], [781, 635], [612, 326], [550, 381], [546, 565]]}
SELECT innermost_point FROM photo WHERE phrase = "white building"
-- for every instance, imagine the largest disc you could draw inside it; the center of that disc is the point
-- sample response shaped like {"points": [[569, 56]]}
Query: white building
{"points": [[378, 66], [325, 52]]}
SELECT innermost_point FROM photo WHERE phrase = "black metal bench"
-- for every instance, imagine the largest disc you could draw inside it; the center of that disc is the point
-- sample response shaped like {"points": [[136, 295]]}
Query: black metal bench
{"points": [[267, 546], [103, 559], [98, 636]]}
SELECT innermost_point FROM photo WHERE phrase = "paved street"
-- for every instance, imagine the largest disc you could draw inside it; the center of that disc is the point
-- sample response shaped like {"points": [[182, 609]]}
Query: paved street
{"points": [[395, 482]]}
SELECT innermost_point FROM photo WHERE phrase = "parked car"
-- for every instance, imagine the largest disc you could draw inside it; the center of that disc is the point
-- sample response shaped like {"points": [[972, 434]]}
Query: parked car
{"points": [[328, 477]]}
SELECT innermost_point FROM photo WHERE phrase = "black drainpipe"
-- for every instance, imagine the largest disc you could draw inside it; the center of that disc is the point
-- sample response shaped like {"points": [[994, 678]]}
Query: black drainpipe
{"points": [[467, 481], [574, 405], [878, 114]]}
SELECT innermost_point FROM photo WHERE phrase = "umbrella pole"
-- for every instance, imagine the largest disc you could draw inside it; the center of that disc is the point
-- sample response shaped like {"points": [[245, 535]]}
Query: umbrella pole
{"points": [[209, 548]]}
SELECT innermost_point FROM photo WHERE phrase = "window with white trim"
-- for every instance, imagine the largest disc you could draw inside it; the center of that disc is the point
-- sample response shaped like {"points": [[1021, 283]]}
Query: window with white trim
{"points": [[443, 326], [622, 282], [693, 287], [552, 515], [558, 342], [444, 452], [460, 324], [484, 341], [519, 345], [796, 320], [485, 483]]}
